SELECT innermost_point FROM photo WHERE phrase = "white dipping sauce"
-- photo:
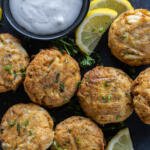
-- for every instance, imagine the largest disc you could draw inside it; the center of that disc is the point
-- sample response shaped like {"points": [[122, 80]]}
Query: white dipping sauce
{"points": [[45, 16]]}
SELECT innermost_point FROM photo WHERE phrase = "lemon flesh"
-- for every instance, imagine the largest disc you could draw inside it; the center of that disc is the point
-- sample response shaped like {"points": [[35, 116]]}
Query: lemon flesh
{"points": [[118, 5], [122, 141], [93, 27]]}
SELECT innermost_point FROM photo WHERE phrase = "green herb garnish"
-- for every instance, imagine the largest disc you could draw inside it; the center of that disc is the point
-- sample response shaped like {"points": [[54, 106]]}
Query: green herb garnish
{"points": [[56, 146], [124, 36], [8, 68], [57, 77], [23, 73], [18, 127], [128, 95], [117, 117], [30, 133], [66, 44], [87, 61], [104, 98], [69, 45], [107, 98], [11, 123], [106, 84], [77, 140], [69, 130], [79, 84], [62, 87], [25, 123], [88, 78], [97, 57], [65, 100]]}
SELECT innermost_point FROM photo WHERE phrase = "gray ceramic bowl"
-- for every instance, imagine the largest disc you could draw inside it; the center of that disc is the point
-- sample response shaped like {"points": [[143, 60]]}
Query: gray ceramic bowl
{"points": [[21, 30]]}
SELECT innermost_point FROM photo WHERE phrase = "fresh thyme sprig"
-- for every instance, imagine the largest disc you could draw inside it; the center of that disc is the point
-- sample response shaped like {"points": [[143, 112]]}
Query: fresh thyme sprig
{"points": [[68, 44]]}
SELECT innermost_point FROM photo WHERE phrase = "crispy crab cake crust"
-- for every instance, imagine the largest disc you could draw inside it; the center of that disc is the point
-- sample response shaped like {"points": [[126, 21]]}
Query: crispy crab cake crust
{"points": [[141, 93], [105, 95], [26, 127], [13, 62], [129, 37], [78, 133], [52, 78]]}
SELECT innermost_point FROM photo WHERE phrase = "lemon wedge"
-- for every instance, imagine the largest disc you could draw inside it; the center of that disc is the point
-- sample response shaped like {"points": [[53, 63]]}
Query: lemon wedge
{"points": [[93, 27], [118, 5], [122, 141]]}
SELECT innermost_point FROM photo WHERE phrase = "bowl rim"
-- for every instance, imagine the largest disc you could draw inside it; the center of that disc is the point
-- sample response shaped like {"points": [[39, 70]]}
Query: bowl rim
{"points": [[24, 32]]}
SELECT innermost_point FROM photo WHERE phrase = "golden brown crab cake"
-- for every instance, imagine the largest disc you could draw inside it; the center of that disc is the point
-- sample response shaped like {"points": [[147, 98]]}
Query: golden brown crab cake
{"points": [[52, 78], [26, 127], [141, 93], [13, 62], [105, 95], [129, 37], [78, 133]]}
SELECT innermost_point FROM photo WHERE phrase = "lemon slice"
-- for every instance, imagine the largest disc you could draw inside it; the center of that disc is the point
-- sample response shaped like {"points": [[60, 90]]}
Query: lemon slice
{"points": [[122, 141], [118, 5], [93, 27]]}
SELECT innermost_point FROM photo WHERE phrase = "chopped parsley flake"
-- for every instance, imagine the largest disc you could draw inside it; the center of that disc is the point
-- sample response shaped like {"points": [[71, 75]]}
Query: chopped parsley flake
{"points": [[23, 73], [124, 36], [88, 78], [25, 123], [66, 100], [56, 146], [57, 77], [107, 98], [30, 133], [11, 123], [79, 84], [117, 117], [8, 68], [62, 87], [106, 84], [18, 127], [69, 130], [77, 140]]}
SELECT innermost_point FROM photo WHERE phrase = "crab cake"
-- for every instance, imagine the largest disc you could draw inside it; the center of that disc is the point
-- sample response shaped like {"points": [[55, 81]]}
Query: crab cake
{"points": [[13, 62], [78, 133], [141, 93], [26, 127], [129, 37], [104, 95], [52, 78]]}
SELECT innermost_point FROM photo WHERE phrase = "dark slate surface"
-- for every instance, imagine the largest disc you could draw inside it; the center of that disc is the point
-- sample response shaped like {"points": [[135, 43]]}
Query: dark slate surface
{"points": [[140, 133]]}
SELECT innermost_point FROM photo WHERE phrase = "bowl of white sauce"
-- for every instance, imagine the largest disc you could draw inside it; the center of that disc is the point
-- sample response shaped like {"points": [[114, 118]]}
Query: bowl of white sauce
{"points": [[45, 19]]}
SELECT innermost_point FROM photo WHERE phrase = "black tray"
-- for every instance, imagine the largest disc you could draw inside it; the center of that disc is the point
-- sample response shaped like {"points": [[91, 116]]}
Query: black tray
{"points": [[140, 133]]}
